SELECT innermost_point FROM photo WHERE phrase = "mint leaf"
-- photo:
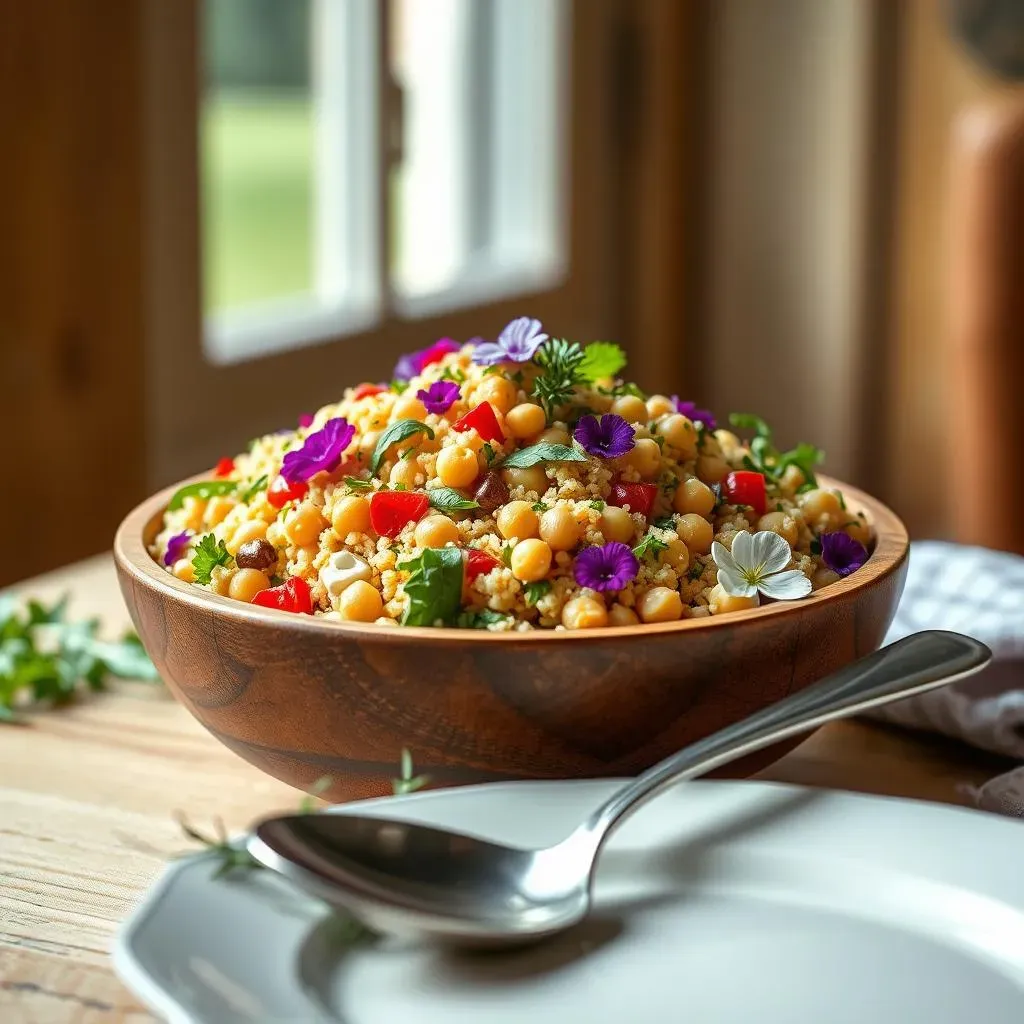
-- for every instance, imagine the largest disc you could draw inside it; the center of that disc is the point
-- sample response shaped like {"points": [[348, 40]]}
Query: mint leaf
{"points": [[398, 431], [209, 553], [535, 591], [447, 499], [543, 452], [435, 587], [202, 489], [601, 359]]}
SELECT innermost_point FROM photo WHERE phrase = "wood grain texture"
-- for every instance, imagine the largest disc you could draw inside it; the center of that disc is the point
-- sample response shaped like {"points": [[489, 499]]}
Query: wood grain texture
{"points": [[87, 796], [304, 698]]}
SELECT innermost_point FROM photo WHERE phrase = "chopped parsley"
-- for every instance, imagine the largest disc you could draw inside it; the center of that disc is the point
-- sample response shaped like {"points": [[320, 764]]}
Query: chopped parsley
{"points": [[481, 619], [506, 554], [650, 545], [355, 484], [539, 506], [765, 458], [665, 522], [209, 554], [398, 386], [488, 450], [597, 505], [535, 591]]}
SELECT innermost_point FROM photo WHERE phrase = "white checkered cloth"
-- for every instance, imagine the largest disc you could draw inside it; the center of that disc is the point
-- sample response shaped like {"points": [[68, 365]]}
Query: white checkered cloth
{"points": [[980, 593]]}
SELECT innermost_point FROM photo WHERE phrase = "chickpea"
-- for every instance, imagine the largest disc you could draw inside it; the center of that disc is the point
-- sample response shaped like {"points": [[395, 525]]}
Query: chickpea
{"points": [[499, 391], [792, 478], [367, 443], [644, 457], [781, 523], [584, 613], [712, 469], [517, 519], [531, 560], [404, 472], [275, 534], [217, 509], [631, 409], [677, 555], [554, 435], [558, 527], [184, 571], [531, 479], [457, 466], [823, 577], [620, 615], [255, 529], [617, 524], [728, 442], [658, 406], [692, 495], [660, 604], [818, 503], [304, 524], [220, 580], [385, 620], [696, 533], [246, 584], [351, 515], [859, 530], [525, 420], [680, 433], [720, 602], [408, 407], [435, 532], [360, 602]]}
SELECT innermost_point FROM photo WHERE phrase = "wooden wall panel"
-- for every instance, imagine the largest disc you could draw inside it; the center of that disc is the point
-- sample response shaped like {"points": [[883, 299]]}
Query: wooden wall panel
{"points": [[71, 400]]}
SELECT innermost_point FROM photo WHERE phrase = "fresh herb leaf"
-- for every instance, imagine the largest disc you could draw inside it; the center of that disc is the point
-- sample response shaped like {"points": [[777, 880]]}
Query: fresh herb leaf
{"points": [[455, 375], [435, 587], [650, 545], [815, 546], [449, 500], [355, 484], [401, 487], [202, 489], [517, 378], [628, 388], [842, 500], [597, 504], [601, 359], [209, 553], [665, 522], [805, 457], [535, 591], [481, 619], [766, 459], [488, 450], [408, 781], [255, 488], [398, 431], [560, 363], [506, 554], [695, 572], [748, 421], [399, 386], [545, 451], [539, 506]]}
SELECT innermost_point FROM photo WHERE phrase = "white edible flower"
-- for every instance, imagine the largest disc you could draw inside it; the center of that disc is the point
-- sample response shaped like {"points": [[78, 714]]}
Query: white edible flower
{"points": [[756, 563], [342, 570]]}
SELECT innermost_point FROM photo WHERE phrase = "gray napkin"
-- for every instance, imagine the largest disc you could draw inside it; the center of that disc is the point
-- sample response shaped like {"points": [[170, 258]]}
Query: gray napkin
{"points": [[980, 593]]}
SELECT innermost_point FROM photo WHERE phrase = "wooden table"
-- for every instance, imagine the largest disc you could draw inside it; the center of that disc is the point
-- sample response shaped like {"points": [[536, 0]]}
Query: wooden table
{"points": [[88, 794]]}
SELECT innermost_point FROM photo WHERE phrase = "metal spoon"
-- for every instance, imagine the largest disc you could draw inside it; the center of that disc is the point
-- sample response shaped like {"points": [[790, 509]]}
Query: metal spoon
{"points": [[406, 878]]}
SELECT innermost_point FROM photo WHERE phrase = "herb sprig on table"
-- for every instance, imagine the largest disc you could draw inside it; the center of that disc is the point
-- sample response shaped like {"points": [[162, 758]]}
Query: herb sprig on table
{"points": [[47, 659]]}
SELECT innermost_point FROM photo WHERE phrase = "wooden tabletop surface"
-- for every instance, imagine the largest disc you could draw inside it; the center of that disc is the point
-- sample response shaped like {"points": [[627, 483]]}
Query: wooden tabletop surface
{"points": [[88, 796]]}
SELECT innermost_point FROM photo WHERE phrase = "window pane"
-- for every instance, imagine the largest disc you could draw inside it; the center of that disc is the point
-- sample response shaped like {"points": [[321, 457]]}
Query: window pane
{"points": [[257, 152], [289, 173], [477, 192]]}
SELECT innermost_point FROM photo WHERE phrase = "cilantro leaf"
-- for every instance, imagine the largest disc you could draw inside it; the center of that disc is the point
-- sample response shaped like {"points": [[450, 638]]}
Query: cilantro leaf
{"points": [[435, 587], [447, 499], [601, 359], [398, 431], [202, 489], [545, 451], [209, 553], [535, 591], [650, 545]]}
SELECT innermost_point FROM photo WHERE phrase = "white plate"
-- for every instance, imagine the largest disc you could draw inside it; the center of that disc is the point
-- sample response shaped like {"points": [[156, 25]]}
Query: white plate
{"points": [[719, 903]]}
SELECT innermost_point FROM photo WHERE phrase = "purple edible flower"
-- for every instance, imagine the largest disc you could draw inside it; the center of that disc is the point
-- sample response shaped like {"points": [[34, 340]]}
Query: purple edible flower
{"points": [[610, 436], [517, 343], [320, 452], [177, 546], [691, 412], [412, 364], [440, 396], [607, 567], [305, 420], [841, 553]]}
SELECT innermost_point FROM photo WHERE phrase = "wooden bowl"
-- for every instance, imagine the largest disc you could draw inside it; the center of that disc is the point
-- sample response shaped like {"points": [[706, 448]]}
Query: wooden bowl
{"points": [[303, 699]]}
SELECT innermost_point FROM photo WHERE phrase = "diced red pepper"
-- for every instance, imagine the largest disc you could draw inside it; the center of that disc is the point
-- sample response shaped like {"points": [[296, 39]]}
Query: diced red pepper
{"points": [[291, 596], [224, 468], [745, 487], [479, 562], [481, 418], [639, 497], [390, 511], [365, 390], [281, 491]]}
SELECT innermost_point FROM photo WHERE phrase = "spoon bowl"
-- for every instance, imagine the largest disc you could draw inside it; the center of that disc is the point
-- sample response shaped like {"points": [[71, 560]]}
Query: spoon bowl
{"points": [[406, 878]]}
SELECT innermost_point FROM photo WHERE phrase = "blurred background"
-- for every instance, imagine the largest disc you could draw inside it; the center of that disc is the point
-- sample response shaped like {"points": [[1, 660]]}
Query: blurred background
{"points": [[215, 214]]}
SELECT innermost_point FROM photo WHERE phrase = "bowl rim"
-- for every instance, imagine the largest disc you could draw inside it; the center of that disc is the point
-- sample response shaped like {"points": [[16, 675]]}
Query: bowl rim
{"points": [[134, 560]]}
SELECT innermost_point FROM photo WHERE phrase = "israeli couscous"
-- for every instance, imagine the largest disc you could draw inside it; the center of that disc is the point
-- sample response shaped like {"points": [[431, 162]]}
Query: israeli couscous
{"points": [[512, 485]]}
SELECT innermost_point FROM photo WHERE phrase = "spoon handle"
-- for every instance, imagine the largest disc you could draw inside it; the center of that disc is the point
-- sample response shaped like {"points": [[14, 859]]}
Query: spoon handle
{"points": [[917, 663]]}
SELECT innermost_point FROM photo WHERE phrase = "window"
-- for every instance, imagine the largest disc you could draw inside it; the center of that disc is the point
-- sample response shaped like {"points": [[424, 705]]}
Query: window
{"points": [[313, 226]]}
